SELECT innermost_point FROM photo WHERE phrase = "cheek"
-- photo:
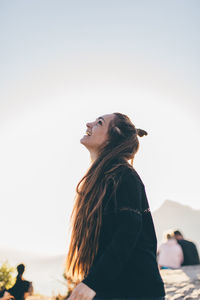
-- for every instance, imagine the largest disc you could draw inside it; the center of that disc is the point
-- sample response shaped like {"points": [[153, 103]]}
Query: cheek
{"points": [[101, 137]]}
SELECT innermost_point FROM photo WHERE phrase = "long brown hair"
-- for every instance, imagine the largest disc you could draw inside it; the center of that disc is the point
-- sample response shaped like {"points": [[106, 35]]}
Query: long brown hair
{"points": [[86, 218]]}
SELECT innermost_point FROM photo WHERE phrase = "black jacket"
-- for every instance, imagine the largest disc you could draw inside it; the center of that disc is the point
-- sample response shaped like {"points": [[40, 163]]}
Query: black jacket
{"points": [[20, 287], [125, 265], [190, 253]]}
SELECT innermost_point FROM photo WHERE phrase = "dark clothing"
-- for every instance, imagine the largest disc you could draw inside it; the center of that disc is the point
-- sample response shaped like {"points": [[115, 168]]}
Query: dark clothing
{"points": [[152, 298], [20, 288], [190, 253], [125, 265]]}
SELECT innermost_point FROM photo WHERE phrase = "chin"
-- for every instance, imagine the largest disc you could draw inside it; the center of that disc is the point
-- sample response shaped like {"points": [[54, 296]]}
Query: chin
{"points": [[83, 140]]}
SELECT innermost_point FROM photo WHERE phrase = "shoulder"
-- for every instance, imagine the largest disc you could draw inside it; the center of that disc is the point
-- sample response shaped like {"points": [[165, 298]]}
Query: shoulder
{"points": [[26, 285], [129, 176], [130, 189], [184, 242], [187, 243]]}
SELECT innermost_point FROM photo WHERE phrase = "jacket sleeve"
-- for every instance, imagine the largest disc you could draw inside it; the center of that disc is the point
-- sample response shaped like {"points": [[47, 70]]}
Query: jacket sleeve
{"points": [[125, 237]]}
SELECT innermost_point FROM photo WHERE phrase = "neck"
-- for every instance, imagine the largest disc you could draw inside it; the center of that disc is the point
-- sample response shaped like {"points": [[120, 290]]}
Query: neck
{"points": [[93, 156]]}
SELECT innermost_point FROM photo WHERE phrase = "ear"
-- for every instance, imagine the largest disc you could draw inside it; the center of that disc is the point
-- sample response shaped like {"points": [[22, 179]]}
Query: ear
{"points": [[117, 130]]}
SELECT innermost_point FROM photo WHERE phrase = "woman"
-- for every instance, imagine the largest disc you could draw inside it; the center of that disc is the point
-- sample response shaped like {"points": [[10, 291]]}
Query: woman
{"points": [[170, 253], [112, 253]]}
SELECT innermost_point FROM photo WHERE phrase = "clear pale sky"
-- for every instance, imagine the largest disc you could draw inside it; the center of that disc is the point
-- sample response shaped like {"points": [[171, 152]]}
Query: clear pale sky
{"points": [[64, 63]]}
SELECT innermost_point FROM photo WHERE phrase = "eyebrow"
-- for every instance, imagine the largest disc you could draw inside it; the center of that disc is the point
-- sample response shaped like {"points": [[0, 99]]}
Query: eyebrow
{"points": [[101, 118]]}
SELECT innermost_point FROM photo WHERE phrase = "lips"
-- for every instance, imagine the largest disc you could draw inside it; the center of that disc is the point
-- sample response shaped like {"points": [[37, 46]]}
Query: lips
{"points": [[88, 133]]}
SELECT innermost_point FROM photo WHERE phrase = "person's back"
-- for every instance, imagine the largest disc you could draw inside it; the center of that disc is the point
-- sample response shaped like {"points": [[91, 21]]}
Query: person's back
{"points": [[21, 288], [129, 273], [170, 254], [190, 253]]}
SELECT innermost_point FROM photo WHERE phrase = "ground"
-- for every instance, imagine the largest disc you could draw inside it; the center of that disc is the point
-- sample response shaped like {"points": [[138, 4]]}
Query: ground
{"points": [[182, 283]]}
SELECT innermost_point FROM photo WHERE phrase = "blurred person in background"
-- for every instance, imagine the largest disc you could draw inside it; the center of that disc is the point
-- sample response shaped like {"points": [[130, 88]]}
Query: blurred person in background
{"points": [[22, 288], [170, 254], [190, 253]]}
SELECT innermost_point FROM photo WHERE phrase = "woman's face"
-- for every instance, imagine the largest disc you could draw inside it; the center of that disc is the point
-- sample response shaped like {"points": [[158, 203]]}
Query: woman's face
{"points": [[96, 133]]}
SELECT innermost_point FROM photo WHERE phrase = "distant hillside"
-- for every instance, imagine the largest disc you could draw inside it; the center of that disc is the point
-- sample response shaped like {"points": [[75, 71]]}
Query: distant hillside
{"points": [[173, 215]]}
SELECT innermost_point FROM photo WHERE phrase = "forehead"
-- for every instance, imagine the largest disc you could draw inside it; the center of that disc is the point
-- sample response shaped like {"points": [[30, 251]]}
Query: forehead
{"points": [[107, 118]]}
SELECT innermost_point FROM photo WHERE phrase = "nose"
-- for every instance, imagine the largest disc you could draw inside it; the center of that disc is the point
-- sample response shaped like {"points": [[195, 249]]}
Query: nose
{"points": [[89, 124]]}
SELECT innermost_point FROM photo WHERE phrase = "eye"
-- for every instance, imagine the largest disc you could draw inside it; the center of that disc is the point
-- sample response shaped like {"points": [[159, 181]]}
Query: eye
{"points": [[100, 122]]}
